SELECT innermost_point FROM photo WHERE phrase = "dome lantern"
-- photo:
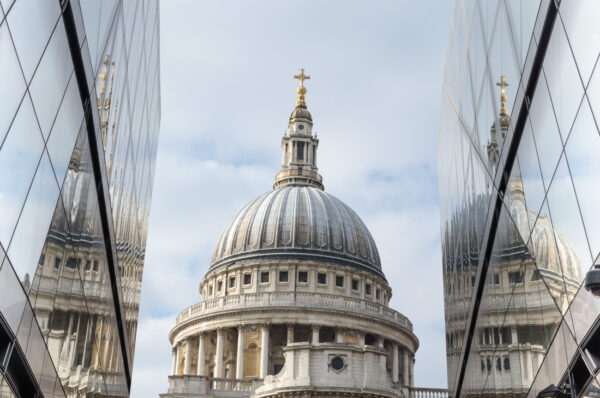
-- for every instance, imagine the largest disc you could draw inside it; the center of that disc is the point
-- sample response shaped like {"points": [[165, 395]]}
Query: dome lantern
{"points": [[299, 147]]}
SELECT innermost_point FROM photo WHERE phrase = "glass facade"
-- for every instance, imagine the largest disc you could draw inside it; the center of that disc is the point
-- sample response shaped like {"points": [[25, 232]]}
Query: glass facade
{"points": [[79, 124], [519, 158]]}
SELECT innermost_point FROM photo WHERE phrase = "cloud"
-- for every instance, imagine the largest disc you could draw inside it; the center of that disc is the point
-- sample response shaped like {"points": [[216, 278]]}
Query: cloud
{"points": [[226, 94]]}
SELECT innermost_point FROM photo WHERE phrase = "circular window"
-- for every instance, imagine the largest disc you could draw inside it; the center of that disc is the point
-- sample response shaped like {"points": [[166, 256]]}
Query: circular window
{"points": [[301, 127], [337, 363]]}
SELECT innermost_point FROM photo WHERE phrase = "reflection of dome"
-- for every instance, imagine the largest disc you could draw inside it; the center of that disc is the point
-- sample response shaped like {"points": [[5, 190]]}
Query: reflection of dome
{"points": [[553, 251], [298, 221]]}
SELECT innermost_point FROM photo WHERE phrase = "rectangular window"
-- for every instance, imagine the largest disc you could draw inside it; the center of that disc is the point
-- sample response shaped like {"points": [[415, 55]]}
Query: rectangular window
{"points": [[219, 286], [247, 279], [88, 265], [42, 258], [283, 276], [71, 263], [506, 363], [377, 293], [339, 281], [232, 282], [302, 276], [355, 284], [57, 262], [210, 291], [321, 278], [496, 279], [264, 277], [498, 364], [96, 265], [368, 289], [300, 150], [515, 277]]}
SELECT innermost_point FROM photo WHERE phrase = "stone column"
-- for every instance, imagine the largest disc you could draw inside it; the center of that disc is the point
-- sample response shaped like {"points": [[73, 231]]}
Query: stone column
{"points": [[412, 372], [290, 334], [187, 360], [395, 363], [339, 335], [264, 351], [219, 354], [405, 379], [106, 346], [176, 373], [513, 335], [239, 362], [174, 360], [96, 354], [361, 339], [201, 355], [315, 334]]}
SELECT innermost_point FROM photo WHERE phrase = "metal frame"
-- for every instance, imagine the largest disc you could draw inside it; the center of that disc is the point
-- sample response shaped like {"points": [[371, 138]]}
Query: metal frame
{"points": [[100, 179]]}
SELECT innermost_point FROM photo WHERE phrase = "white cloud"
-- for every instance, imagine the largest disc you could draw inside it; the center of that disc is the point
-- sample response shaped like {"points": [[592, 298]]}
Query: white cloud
{"points": [[227, 93]]}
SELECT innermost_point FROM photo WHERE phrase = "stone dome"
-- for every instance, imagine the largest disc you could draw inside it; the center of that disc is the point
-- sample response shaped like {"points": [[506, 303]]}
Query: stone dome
{"points": [[298, 222], [300, 113]]}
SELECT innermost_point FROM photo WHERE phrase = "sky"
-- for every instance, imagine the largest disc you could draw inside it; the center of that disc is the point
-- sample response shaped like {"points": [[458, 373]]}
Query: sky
{"points": [[227, 92]]}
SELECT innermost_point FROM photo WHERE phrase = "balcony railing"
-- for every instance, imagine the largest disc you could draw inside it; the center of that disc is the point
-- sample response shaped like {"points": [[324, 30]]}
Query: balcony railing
{"points": [[419, 392], [294, 299], [199, 385]]}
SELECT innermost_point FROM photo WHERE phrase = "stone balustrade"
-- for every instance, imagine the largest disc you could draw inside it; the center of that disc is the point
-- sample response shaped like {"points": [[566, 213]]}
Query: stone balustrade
{"points": [[419, 392], [235, 388], [294, 299]]}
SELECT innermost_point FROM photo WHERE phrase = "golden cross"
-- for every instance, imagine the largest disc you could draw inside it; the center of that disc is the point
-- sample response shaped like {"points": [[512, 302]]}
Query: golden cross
{"points": [[302, 77], [502, 84]]}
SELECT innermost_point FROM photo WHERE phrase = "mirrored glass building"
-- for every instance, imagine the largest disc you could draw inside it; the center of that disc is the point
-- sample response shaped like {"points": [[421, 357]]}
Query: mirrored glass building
{"points": [[519, 159], [79, 124]]}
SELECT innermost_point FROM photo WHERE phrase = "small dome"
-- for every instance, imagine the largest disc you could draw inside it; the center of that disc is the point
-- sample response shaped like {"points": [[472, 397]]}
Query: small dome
{"points": [[298, 222], [300, 113]]}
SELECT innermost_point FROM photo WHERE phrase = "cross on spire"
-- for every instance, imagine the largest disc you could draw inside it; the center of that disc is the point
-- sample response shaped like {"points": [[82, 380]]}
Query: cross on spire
{"points": [[302, 77], [301, 90], [503, 84]]}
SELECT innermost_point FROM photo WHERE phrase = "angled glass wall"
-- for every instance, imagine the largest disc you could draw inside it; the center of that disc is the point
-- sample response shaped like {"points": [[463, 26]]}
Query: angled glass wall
{"points": [[519, 151], [79, 123]]}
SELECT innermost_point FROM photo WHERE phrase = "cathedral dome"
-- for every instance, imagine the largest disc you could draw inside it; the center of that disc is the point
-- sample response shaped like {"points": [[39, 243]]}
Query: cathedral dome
{"points": [[298, 222]]}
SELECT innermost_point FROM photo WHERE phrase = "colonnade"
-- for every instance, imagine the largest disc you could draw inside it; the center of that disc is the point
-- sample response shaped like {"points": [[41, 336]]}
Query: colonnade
{"points": [[401, 357]]}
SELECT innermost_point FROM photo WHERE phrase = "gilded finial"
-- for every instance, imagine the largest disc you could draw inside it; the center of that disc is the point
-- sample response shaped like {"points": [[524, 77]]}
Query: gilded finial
{"points": [[301, 90], [502, 84], [112, 78], [103, 78]]}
